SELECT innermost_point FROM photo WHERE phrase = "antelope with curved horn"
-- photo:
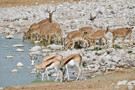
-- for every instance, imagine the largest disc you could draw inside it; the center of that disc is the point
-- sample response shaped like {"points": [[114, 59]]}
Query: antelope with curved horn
{"points": [[50, 62], [34, 27], [121, 32], [71, 61]]}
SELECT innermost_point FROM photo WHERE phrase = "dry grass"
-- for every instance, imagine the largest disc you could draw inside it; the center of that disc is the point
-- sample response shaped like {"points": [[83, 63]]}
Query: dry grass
{"points": [[101, 82], [7, 3]]}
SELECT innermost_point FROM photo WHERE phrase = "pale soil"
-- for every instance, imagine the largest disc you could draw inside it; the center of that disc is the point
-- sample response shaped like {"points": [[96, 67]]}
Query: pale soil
{"points": [[7, 3], [101, 82]]}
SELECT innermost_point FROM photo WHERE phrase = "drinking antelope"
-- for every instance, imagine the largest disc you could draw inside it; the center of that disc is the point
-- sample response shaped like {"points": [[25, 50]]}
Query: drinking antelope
{"points": [[49, 62], [98, 35], [71, 61]]}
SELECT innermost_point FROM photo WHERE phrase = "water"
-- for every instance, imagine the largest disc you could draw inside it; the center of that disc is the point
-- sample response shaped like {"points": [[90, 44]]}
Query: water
{"points": [[23, 77]]}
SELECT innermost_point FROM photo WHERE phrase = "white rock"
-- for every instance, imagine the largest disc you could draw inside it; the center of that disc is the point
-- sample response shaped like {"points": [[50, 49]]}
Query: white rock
{"points": [[19, 64], [19, 50], [55, 47], [54, 74], [33, 72], [10, 37], [9, 57], [124, 82], [36, 48], [18, 45], [100, 52], [36, 42], [14, 70], [46, 50]]}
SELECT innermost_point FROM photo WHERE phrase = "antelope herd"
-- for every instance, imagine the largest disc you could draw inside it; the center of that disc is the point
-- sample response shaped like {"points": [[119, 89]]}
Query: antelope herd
{"points": [[47, 31]]}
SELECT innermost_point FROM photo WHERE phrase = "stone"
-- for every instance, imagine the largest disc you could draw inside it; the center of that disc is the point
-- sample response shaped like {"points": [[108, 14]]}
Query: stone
{"points": [[14, 70], [55, 47], [9, 57], [18, 45], [19, 64], [124, 82], [10, 37], [19, 50], [36, 48]]}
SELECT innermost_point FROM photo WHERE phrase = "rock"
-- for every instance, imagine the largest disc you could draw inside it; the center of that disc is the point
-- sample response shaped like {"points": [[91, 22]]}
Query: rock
{"points": [[116, 59], [29, 67], [37, 42], [33, 72], [110, 50], [14, 70], [36, 53], [10, 37], [55, 47], [124, 82], [18, 45], [19, 50], [54, 74], [46, 50], [36, 48], [19, 64], [9, 57], [100, 52]]}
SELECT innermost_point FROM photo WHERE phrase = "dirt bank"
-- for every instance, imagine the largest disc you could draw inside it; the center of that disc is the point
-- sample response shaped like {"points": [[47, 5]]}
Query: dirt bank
{"points": [[100, 82], [8, 3]]}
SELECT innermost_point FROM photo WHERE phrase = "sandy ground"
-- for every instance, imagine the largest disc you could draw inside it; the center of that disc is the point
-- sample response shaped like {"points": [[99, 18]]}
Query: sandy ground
{"points": [[100, 82], [7, 3]]}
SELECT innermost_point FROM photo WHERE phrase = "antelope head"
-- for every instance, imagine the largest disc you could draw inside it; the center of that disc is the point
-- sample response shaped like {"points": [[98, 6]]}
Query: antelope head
{"points": [[33, 59], [50, 14]]}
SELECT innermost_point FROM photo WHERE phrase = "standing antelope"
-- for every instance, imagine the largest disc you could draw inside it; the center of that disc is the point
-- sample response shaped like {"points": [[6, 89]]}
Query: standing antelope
{"points": [[34, 27], [49, 62], [98, 35], [121, 32], [51, 29], [71, 61]]}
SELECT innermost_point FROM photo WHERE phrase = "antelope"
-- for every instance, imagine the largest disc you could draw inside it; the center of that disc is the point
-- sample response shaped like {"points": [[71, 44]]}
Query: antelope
{"points": [[71, 61], [121, 32], [46, 58], [51, 29], [70, 34], [34, 27], [49, 62], [78, 35], [98, 35]]}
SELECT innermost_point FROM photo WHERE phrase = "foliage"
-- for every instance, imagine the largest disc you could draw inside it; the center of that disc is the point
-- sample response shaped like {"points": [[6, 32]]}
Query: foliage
{"points": [[129, 51]]}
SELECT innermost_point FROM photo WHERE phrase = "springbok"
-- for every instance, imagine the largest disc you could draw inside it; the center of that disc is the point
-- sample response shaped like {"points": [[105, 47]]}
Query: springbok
{"points": [[78, 36], [49, 62], [98, 35], [70, 34], [51, 29], [121, 32], [34, 27], [71, 61]]}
